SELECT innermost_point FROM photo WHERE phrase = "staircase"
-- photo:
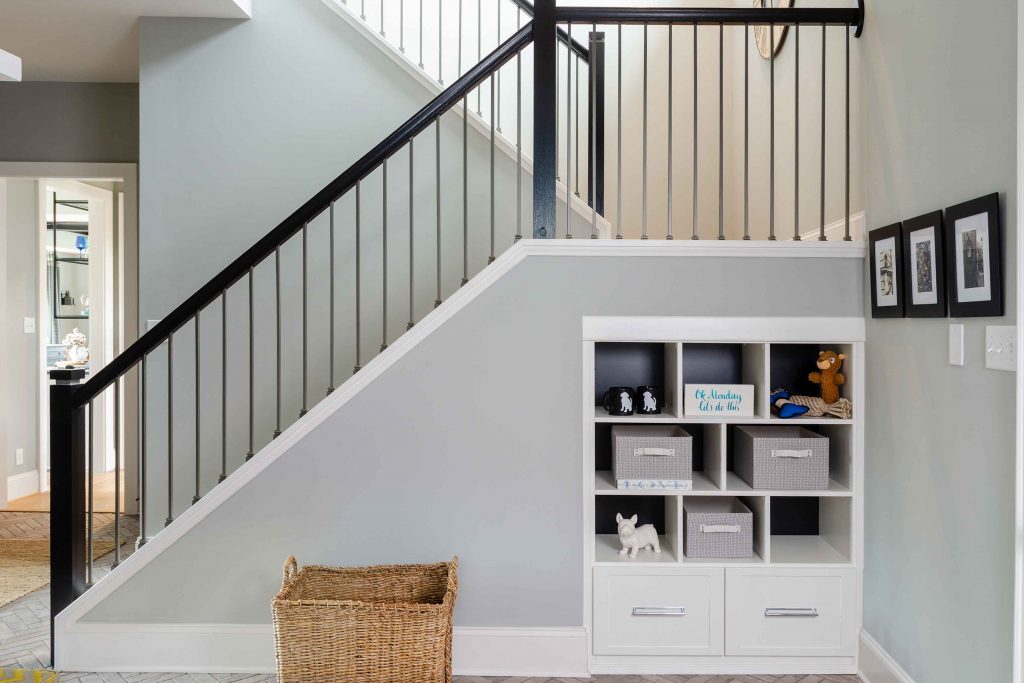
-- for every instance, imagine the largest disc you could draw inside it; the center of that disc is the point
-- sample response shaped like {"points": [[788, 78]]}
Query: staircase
{"points": [[244, 365]]}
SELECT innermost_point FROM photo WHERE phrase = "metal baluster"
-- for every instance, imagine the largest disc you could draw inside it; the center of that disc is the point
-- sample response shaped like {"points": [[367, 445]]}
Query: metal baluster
{"points": [[384, 259], [568, 137], [821, 234], [412, 264], [576, 118], [519, 137], [746, 131], [846, 211], [437, 157], [224, 387], [421, 36], [479, 48], [721, 132], [558, 111], [440, 42], [694, 227], [170, 430], [195, 496], [382, 17], [458, 65], [305, 323], [465, 189], [117, 474], [143, 498], [592, 192], [330, 302], [277, 350], [771, 134], [643, 234], [401, 25], [89, 492], [362, 10], [618, 155], [498, 76], [796, 136], [357, 366], [668, 234], [252, 370], [490, 258]]}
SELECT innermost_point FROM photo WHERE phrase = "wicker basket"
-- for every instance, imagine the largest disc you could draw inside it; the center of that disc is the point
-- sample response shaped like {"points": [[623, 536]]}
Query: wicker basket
{"points": [[366, 624]]}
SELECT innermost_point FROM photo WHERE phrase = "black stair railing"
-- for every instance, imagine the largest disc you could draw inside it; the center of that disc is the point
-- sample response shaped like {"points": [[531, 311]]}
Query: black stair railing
{"points": [[468, 232]]}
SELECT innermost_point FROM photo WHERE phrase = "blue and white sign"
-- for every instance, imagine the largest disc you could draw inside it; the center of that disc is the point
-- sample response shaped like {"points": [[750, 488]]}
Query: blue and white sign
{"points": [[719, 399]]}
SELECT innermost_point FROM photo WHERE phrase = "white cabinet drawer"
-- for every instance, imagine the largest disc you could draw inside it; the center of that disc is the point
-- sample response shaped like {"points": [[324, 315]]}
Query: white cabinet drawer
{"points": [[791, 612], [658, 611]]}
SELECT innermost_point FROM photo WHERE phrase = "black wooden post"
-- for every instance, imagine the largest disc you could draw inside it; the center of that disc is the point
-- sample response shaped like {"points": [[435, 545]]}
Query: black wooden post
{"points": [[67, 493], [545, 144], [596, 136]]}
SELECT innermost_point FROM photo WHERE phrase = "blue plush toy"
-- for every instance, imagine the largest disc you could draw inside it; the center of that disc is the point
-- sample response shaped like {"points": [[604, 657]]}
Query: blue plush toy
{"points": [[779, 399]]}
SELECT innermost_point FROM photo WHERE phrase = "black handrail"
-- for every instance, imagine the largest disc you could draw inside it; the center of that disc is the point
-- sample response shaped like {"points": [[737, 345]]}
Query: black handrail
{"points": [[319, 203], [580, 51], [832, 16]]}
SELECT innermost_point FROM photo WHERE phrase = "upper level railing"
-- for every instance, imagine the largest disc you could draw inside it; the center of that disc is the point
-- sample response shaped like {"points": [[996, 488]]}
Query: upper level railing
{"points": [[429, 206]]}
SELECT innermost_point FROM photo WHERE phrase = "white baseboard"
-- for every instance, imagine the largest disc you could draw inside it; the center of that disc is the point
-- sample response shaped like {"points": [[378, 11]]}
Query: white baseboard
{"points": [[249, 648], [21, 485], [876, 665]]}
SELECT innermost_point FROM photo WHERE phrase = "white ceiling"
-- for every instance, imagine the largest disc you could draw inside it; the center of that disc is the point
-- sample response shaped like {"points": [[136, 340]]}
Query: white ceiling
{"points": [[92, 40]]}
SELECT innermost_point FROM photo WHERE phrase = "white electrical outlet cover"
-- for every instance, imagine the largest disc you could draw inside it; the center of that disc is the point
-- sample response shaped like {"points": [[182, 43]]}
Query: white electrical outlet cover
{"points": [[30, 325], [956, 344], [1001, 347], [19, 456]]}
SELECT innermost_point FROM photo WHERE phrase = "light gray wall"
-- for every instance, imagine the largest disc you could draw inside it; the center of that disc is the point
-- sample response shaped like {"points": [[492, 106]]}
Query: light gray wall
{"points": [[20, 354], [939, 88], [65, 122], [441, 455]]}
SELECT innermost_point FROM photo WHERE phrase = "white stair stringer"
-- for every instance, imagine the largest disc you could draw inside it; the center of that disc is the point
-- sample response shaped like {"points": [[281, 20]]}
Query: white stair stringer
{"points": [[96, 645], [579, 207]]}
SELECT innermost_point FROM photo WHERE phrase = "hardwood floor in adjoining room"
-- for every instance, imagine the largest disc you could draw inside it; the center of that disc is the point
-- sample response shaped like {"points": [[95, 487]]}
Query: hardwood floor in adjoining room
{"points": [[103, 497]]}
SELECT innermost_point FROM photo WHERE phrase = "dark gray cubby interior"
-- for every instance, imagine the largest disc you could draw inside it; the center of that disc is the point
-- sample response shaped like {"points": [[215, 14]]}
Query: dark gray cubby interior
{"points": [[794, 516], [628, 364], [790, 366], [649, 510], [712, 363], [603, 445]]}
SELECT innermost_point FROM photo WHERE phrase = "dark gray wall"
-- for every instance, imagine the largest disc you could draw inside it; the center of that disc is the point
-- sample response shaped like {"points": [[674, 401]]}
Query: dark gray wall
{"points": [[64, 122], [471, 444], [938, 88]]}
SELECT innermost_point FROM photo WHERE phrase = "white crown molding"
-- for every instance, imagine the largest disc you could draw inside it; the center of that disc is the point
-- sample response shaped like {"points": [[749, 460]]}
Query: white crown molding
{"points": [[249, 648], [876, 665]]}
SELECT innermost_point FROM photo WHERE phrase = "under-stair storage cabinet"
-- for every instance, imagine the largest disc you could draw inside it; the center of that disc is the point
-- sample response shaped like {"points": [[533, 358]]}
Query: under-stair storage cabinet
{"points": [[785, 596]]}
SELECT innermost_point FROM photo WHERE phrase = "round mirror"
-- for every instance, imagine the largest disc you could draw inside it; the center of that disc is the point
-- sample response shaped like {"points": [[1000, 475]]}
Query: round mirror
{"points": [[767, 44]]}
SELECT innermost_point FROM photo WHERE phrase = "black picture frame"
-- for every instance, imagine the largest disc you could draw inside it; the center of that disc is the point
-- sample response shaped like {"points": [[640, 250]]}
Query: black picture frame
{"points": [[974, 258], [924, 267], [885, 259]]}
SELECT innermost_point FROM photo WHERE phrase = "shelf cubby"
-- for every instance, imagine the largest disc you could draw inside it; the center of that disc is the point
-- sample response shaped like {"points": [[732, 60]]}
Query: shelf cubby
{"points": [[632, 364], [661, 511], [810, 530], [789, 366], [715, 363], [707, 458], [758, 506], [840, 463]]}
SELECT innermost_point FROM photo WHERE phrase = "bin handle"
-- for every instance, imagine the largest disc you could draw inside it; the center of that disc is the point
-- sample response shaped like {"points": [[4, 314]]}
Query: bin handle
{"points": [[291, 569]]}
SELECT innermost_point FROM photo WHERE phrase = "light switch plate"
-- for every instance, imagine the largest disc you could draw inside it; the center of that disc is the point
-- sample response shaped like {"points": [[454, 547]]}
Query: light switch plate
{"points": [[1001, 347], [19, 456], [956, 344], [30, 325]]}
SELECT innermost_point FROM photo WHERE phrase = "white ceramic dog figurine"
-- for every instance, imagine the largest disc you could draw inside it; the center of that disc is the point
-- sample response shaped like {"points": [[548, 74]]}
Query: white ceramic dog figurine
{"points": [[634, 538]]}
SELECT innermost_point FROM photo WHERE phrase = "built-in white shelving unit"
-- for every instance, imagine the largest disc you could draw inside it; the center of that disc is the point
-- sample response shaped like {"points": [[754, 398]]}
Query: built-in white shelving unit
{"points": [[794, 606]]}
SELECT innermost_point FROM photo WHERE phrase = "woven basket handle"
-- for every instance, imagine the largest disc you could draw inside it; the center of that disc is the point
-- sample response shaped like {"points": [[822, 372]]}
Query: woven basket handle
{"points": [[291, 569]]}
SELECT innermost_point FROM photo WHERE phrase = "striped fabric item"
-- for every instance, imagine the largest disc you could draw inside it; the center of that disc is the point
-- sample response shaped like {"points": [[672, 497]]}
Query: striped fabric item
{"points": [[28, 676]]}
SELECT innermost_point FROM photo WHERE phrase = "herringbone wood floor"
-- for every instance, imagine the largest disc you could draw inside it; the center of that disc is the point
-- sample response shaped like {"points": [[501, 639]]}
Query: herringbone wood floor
{"points": [[25, 630]]}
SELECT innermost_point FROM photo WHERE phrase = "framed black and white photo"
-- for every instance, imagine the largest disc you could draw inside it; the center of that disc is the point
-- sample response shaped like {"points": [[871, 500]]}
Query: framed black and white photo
{"points": [[885, 249], [974, 258], [924, 266]]}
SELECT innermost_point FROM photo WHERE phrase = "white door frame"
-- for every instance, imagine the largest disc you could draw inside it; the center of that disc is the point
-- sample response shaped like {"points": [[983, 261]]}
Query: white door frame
{"points": [[1018, 226], [127, 277]]}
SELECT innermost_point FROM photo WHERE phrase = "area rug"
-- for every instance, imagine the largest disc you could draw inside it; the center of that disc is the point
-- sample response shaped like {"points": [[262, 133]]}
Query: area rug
{"points": [[25, 567], [28, 676]]}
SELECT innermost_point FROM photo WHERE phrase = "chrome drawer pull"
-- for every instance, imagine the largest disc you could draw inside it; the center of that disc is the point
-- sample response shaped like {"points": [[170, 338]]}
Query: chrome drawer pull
{"points": [[790, 612], [659, 611]]}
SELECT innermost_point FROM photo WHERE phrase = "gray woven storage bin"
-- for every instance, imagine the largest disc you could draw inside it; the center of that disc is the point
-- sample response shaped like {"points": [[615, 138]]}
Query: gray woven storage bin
{"points": [[652, 457], [718, 528], [781, 458]]}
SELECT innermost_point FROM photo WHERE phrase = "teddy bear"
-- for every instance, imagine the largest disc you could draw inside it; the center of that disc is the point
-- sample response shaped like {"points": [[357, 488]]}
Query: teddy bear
{"points": [[829, 377]]}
